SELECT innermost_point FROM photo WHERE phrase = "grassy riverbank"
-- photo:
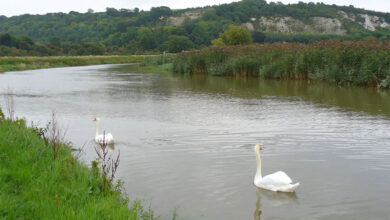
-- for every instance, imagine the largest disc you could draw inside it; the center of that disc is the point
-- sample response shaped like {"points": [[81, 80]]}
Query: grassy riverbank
{"points": [[161, 63], [27, 63], [362, 63], [35, 185], [152, 64]]}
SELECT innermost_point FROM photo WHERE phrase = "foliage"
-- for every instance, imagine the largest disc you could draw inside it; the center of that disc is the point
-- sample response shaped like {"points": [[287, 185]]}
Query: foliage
{"points": [[9, 104], [131, 31], [258, 37], [2, 116], [234, 35], [176, 43], [363, 63], [109, 165]]}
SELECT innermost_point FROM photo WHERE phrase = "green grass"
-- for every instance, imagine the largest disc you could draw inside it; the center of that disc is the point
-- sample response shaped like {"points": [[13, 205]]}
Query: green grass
{"points": [[164, 68], [26, 63], [153, 64], [360, 63], [34, 185]]}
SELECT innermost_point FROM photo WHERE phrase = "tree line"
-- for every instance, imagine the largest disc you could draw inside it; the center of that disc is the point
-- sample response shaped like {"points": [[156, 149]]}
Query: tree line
{"points": [[134, 31]]}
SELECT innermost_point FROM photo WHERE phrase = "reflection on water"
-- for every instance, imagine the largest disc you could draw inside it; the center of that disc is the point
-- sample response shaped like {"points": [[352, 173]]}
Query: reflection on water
{"points": [[275, 199], [257, 214], [369, 100], [189, 140]]}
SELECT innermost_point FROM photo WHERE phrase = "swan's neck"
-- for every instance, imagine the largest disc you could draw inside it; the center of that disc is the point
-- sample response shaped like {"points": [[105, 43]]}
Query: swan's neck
{"points": [[258, 172], [97, 127]]}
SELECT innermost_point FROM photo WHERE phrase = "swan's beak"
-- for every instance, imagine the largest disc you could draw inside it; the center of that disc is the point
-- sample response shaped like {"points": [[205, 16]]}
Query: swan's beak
{"points": [[259, 146]]}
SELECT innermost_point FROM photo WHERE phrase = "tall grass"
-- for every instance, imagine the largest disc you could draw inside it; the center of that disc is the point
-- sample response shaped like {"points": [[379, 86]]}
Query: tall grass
{"points": [[25, 63], [35, 185], [158, 63], [363, 63]]}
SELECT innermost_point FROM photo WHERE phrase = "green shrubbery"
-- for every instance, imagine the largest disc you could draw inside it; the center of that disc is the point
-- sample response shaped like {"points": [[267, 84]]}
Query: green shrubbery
{"points": [[363, 63]]}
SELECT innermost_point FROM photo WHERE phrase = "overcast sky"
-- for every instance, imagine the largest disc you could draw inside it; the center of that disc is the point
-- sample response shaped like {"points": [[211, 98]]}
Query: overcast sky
{"points": [[18, 7]]}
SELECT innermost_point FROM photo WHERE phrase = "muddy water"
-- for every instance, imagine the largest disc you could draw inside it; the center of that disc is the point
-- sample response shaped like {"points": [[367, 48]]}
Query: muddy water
{"points": [[186, 142]]}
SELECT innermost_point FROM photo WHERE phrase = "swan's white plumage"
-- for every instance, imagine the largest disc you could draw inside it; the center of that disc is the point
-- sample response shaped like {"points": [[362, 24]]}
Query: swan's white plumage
{"points": [[108, 138], [100, 138], [278, 181]]}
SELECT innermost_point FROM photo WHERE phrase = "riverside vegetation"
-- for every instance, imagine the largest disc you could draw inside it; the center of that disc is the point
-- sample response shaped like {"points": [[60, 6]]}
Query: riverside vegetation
{"points": [[134, 31], [25, 63], [41, 179], [362, 63]]}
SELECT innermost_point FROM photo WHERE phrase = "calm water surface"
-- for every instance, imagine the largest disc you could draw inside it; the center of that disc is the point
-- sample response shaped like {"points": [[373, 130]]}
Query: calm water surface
{"points": [[186, 143]]}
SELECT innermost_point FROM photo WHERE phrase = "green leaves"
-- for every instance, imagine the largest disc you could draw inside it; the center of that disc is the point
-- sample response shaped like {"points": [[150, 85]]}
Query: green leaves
{"points": [[234, 35]]}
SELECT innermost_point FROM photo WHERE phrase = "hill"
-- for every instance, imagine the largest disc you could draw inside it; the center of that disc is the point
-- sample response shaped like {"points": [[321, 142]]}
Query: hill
{"points": [[163, 29]]}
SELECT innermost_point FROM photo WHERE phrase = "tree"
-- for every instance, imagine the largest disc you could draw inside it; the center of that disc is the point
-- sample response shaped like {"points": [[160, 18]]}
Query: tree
{"points": [[56, 41], [177, 43], [112, 12], [210, 14], [218, 42], [258, 37], [158, 12], [6, 40], [145, 38], [235, 35], [199, 34]]}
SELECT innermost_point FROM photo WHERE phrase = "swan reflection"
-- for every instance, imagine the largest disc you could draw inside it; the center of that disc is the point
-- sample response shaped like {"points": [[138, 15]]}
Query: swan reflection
{"points": [[273, 199]]}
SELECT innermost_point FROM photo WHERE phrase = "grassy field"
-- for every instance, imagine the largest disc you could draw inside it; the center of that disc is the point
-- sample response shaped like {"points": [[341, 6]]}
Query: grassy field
{"points": [[35, 185], [26, 63], [362, 63]]}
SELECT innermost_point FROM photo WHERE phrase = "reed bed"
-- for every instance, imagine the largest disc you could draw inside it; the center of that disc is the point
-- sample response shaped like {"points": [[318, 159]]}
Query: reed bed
{"points": [[362, 63]]}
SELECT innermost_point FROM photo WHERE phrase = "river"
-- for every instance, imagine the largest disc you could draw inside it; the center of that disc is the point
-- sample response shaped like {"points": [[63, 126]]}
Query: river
{"points": [[186, 142]]}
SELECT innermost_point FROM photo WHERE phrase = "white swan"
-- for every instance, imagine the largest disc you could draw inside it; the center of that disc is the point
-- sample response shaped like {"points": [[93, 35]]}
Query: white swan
{"points": [[278, 181], [100, 138]]}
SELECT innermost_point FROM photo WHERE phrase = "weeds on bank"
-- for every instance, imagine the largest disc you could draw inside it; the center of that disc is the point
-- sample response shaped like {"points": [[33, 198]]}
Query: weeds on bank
{"points": [[108, 164], [9, 104]]}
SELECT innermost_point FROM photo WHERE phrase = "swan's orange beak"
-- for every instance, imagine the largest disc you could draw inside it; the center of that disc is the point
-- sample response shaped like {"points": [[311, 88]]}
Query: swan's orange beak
{"points": [[260, 147]]}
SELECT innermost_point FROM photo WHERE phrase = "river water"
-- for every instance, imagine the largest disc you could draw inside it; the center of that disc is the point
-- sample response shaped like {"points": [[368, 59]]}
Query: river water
{"points": [[186, 143]]}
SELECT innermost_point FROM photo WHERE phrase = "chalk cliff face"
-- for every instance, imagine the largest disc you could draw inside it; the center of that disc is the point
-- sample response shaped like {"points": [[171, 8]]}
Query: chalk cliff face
{"points": [[290, 25], [369, 22], [179, 20], [318, 25], [373, 22]]}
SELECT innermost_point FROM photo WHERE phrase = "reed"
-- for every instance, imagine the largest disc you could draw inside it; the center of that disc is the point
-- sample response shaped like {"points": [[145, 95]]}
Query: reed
{"points": [[362, 63]]}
